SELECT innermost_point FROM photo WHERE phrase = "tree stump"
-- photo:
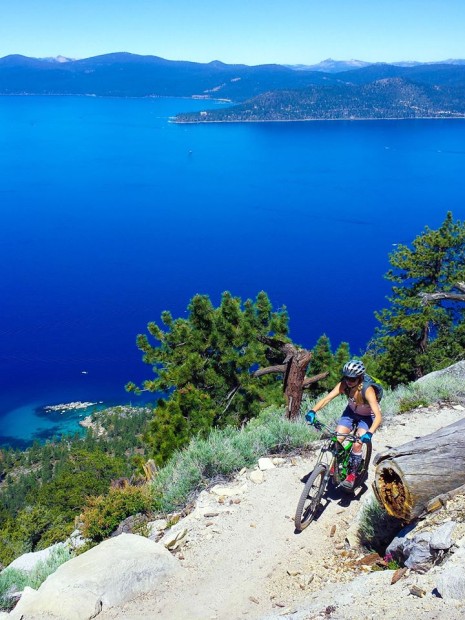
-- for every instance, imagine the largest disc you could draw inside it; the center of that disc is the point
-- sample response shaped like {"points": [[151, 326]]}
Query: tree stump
{"points": [[419, 476]]}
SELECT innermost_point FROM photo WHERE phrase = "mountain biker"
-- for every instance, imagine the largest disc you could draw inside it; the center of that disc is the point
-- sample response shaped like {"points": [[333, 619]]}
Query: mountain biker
{"points": [[362, 410]]}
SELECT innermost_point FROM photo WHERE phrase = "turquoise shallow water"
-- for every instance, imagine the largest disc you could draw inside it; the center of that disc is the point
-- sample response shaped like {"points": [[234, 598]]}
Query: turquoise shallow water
{"points": [[111, 214]]}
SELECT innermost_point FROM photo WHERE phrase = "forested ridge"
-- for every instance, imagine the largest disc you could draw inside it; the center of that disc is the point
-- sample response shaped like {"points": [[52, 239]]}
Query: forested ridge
{"points": [[386, 98], [203, 372], [257, 93]]}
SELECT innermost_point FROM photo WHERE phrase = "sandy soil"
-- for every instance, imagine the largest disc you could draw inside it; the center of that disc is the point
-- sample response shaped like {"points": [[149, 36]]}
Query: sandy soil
{"points": [[243, 558]]}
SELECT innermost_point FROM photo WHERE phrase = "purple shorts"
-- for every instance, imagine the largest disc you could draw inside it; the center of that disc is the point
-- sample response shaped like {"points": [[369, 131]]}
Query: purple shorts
{"points": [[349, 419]]}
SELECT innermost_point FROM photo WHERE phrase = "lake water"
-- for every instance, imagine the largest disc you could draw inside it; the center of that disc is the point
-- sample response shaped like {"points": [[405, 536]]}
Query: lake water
{"points": [[111, 214]]}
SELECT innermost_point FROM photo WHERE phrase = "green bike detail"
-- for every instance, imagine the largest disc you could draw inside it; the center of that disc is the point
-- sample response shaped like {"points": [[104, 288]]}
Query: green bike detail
{"points": [[332, 464]]}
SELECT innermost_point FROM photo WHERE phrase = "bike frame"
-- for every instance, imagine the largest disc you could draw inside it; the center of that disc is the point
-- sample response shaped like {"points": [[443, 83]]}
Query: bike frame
{"points": [[335, 455]]}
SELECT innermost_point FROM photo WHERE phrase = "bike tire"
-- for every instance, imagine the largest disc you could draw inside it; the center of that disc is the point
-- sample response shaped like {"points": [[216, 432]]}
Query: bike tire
{"points": [[309, 501]]}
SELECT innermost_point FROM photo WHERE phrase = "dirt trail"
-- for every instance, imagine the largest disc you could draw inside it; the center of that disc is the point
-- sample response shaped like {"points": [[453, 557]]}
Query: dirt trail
{"points": [[244, 559]]}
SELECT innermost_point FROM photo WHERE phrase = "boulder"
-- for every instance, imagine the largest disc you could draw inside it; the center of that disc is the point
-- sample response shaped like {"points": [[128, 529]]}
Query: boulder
{"points": [[441, 538], [110, 574], [451, 582], [412, 550], [28, 561], [456, 371], [420, 550]]}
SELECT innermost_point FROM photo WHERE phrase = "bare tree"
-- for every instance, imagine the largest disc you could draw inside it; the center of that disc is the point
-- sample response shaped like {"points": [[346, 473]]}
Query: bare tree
{"points": [[440, 295], [293, 368]]}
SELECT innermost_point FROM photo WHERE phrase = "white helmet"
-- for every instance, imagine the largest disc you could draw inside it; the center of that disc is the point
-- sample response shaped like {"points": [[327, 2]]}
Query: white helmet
{"points": [[354, 368]]}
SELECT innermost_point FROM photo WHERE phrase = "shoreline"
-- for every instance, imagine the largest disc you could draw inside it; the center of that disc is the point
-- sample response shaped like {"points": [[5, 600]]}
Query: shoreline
{"points": [[172, 119], [95, 96], [322, 120]]}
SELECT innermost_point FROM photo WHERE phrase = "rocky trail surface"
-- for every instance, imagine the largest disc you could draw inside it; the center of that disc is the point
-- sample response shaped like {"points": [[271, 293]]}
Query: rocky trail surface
{"points": [[241, 557]]}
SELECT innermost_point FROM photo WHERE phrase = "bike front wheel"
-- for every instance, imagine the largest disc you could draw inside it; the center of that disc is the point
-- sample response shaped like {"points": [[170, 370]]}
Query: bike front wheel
{"points": [[310, 499]]}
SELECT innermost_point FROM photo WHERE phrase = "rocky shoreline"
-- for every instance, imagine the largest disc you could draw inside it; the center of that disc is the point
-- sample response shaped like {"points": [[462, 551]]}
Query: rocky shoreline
{"points": [[64, 407]]}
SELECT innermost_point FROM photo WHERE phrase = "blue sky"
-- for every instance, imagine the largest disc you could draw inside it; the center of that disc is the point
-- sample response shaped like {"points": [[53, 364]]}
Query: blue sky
{"points": [[242, 31]]}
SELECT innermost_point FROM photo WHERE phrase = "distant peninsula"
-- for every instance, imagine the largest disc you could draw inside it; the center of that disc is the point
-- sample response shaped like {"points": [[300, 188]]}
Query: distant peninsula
{"points": [[390, 98], [332, 90]]}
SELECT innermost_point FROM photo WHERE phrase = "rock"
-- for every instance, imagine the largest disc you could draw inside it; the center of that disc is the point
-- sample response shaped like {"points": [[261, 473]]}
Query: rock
{"points": [[370, 560], [293, 573], [257, 476], [353, 536], [306, 580], [451, 583], [174, 539], [441, 538], [398, 574], [75, 540], [155, 528], [413, 551], [110, 574], [28, 561], [227, 491], [277, 460], [264, 464], [130, 524], [456, 370], [416, 591]]}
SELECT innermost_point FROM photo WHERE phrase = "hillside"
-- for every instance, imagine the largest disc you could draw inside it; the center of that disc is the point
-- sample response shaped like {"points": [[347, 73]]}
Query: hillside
{"points": [[131, 75], [263, 92], [243, 559], [385, 98], [239, 554]]}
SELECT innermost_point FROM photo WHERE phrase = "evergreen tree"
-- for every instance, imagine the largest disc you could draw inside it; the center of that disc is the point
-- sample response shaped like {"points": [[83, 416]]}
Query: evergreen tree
{"points": [[324, 360], [341, 357], [203, 365], [416, 338]]}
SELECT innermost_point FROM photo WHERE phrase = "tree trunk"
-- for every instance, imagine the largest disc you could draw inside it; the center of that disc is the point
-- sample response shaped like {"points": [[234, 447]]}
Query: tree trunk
{"points": [[294, 381], [293, 369], [416, 478]]}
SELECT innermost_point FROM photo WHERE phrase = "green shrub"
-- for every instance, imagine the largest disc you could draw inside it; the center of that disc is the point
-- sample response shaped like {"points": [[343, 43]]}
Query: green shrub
{"points": [[376, 528], [102, 514], [13, 580], [224, 452]]}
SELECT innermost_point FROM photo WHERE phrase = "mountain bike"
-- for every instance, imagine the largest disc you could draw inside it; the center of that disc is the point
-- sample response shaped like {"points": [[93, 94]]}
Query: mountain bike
{"points": [[332, 465]]}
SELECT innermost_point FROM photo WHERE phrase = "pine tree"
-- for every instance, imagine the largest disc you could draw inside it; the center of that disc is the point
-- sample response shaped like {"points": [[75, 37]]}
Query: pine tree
{"points": [[416, 338], [203, 367]]}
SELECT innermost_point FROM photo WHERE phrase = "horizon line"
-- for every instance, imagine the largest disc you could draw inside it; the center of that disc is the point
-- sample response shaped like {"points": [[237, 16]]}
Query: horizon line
{"points": [[65, 59]]}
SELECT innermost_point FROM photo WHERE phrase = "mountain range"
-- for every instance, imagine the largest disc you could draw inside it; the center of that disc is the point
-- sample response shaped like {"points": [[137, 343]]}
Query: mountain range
{"points": [[329, 90]]}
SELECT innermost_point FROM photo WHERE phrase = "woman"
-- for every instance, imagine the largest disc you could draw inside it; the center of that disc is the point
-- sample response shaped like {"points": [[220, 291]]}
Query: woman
{"points": [[362, 411]]}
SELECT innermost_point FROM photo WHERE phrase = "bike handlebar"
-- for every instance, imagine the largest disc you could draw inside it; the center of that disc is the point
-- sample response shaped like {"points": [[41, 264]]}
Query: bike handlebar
{"points": [[321, 426]]}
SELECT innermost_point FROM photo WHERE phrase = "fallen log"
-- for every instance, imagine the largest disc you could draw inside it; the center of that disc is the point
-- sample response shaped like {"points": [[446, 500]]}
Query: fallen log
{"points": [[419, 476]]}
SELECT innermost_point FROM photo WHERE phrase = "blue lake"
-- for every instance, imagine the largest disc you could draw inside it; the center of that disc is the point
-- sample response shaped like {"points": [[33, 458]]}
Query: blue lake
{"points": [[112, 214]]}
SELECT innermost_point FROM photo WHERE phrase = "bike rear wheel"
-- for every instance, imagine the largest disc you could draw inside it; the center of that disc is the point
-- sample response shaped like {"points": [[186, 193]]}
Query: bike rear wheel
{"points": [[310, 499]]}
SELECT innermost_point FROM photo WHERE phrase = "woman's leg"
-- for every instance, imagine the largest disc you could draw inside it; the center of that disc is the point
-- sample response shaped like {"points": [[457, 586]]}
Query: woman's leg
{"points": [[345, 424], [356, 457]]}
